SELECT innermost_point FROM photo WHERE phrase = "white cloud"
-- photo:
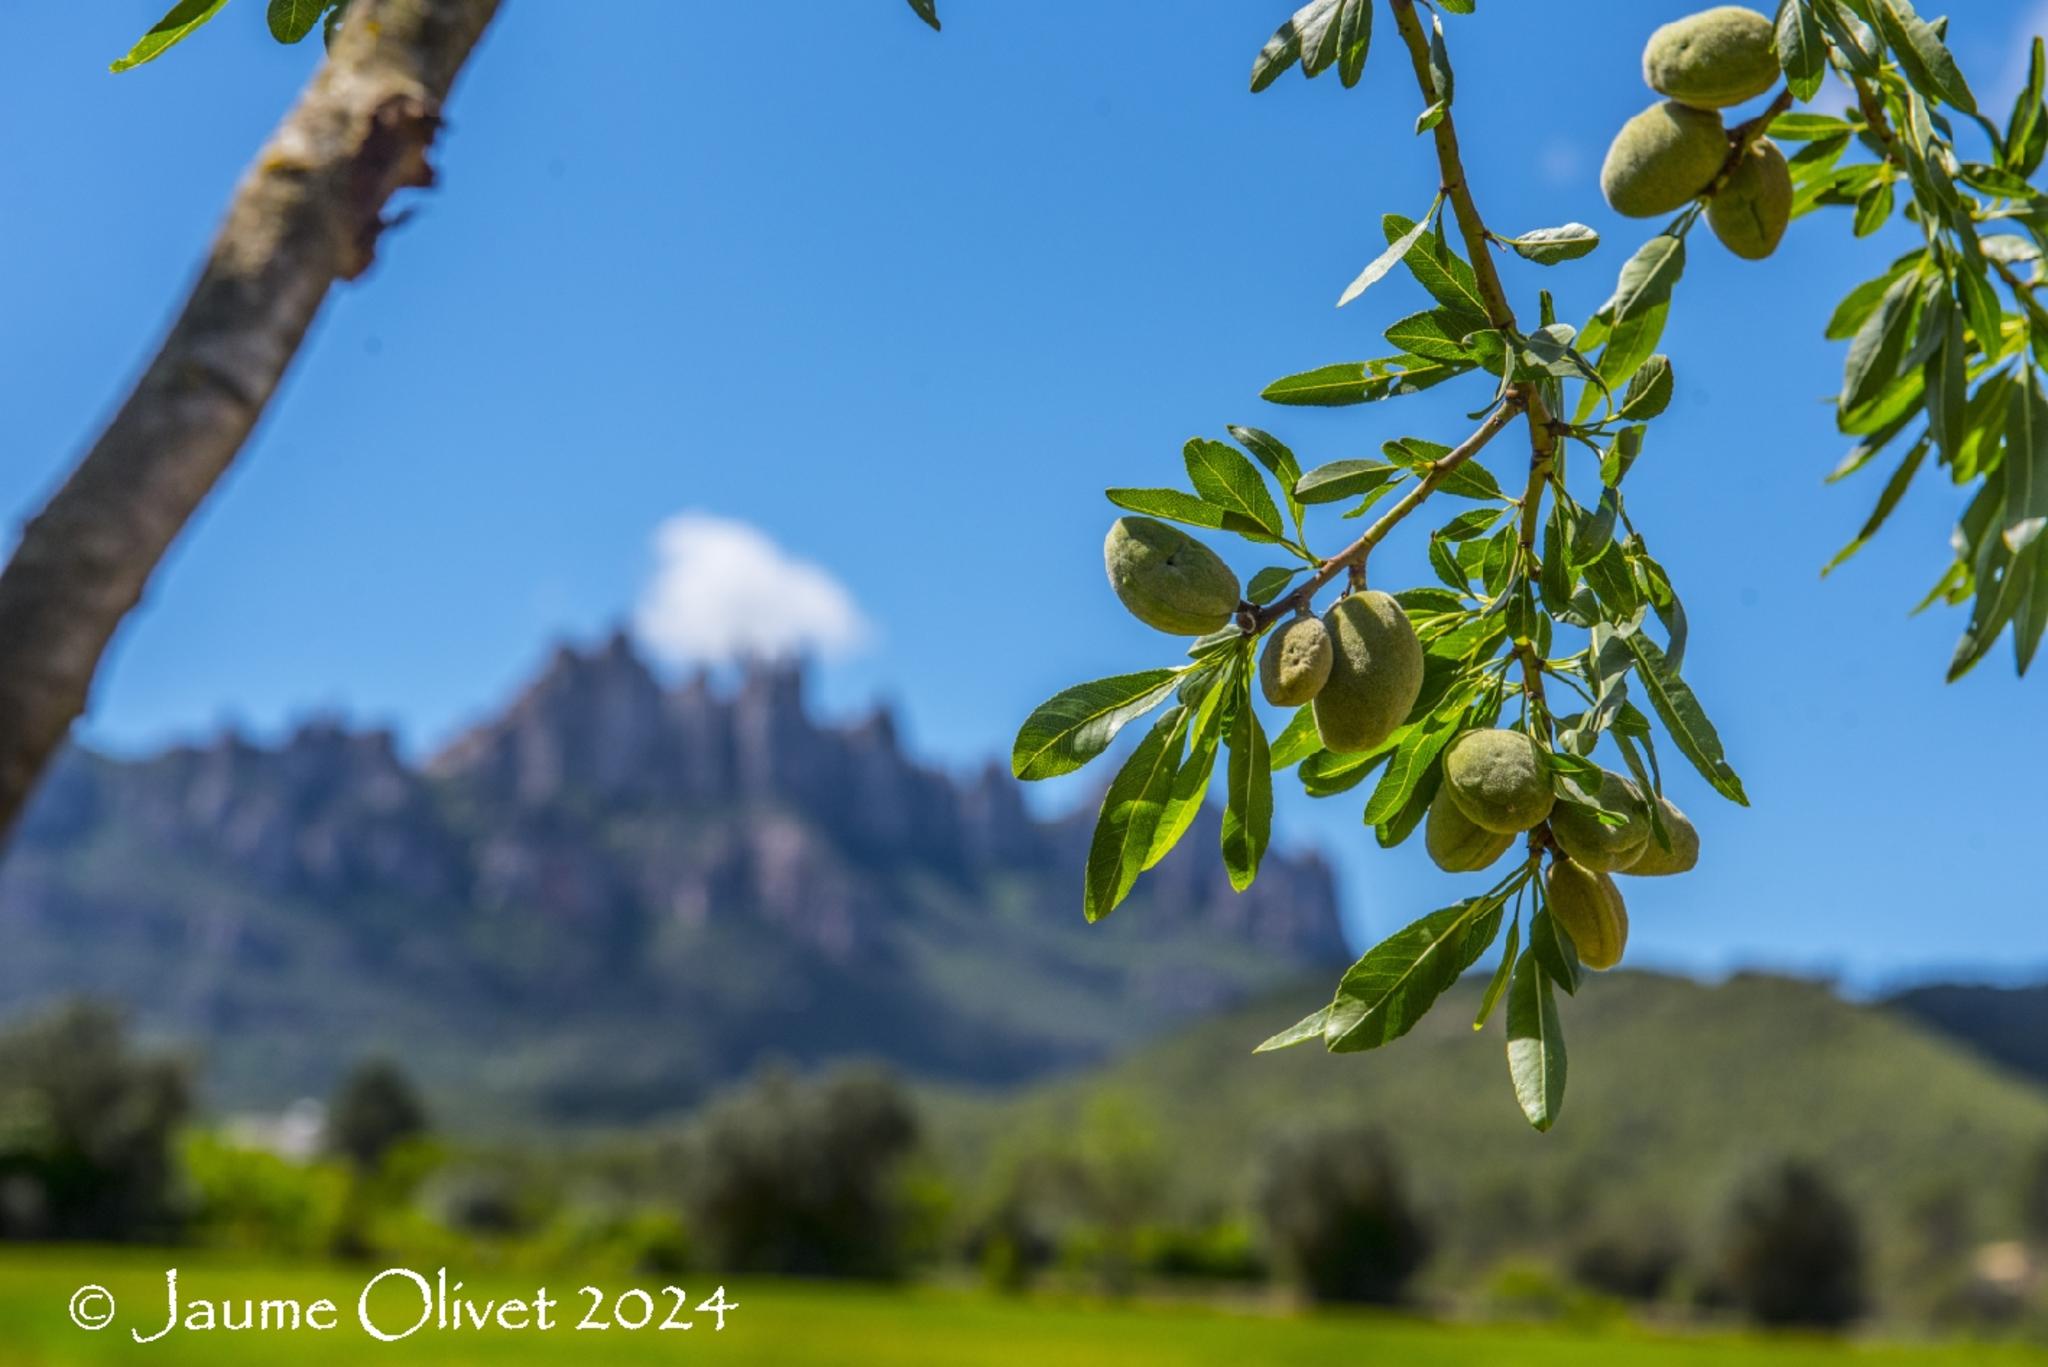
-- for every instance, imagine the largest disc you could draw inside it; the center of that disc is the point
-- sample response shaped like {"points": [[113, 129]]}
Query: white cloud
{"points": [[722, 591], [1561, 162]]}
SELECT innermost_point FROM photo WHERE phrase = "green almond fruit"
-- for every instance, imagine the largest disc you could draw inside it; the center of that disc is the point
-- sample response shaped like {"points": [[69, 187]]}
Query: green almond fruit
{"points": [[1455, 842], [1684, 855], [1749, 212], [1713, 59], [1375, 673], [1662, 159], [1596, 845], [1500, 780], [1591, 910], [1168, 579], [1296, 663]]}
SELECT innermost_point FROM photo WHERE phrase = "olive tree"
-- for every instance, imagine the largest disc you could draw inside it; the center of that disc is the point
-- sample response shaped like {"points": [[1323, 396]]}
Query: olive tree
{"points": [[1529, 699]]}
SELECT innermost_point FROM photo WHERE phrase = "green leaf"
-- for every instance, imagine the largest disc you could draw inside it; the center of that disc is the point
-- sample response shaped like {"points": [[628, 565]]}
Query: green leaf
{"points": [[2026, 131], [1438, 269], [1555, 951], [1297, 740], [1982, 307], [1325, 773], [1922, 55], [1437, 333], [1309, 1028], [1873, 208], [1278, 459], [1649, 392], [1211, 699], [292, 20], [1411, 764], [1130, 815], [1808, 127], [1073, 727], [1225, 478], [1499, 985], [1684, 718], [927, 10], [1880, 344], [1270, 582], [2026, 468], [1320, 34], [1469, 479], [1248, 812], [1354, 40], [1342, 479], [185, 19], [1851, 37], [1894, 490], [1801, 52], [1648, 278], [1171, 504], [1336, 386], [1536, 1058], [1442, 80], [1549, 246], [1385, 993], [1387, 259]]}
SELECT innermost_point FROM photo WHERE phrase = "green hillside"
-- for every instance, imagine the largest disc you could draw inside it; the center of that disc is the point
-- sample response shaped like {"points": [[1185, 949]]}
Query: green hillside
{"points": [[1678, 1089]]}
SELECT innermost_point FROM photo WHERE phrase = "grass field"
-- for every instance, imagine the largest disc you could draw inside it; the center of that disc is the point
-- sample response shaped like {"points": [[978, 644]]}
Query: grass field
{"points": [[794, 1326]]}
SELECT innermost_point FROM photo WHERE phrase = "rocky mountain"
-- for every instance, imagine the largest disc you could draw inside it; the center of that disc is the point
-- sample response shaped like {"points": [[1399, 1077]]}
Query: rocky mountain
{"points": [[612, 895]]}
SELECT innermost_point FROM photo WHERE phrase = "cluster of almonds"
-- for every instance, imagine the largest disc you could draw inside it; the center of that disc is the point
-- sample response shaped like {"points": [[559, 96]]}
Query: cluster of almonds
{"points": [[1360, 666], [1674, 151], [1497, 785], [1360, 663]]}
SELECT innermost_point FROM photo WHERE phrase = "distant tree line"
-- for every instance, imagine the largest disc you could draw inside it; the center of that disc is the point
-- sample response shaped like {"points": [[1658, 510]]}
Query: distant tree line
{"points": [[832, 1176]]}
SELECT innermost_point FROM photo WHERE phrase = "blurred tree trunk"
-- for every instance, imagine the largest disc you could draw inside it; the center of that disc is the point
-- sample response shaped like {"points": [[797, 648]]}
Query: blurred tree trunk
{"points": [[306, 214]]}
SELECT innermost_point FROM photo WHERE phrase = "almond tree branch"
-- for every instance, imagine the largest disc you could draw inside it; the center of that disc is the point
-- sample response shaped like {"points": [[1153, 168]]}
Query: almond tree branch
{"points": [[1353, 557], [306, 214], [1542, 427]]}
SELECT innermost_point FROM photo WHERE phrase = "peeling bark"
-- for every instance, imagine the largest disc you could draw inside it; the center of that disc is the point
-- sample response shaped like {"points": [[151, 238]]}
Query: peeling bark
{"points": [[306, 214]]}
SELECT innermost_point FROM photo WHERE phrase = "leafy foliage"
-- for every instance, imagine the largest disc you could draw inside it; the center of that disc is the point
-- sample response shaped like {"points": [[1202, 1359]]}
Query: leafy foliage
{"points": [[375, 1109], [1337, 1212], [290, 22], [1793, 1250], [1947, 345], [801, 1177], [1555, 593], [1551, 593], [86, 1131]]}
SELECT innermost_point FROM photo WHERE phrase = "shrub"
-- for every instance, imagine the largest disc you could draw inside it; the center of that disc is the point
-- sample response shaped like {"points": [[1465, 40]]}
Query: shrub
{"points": [[1338, 1219], [374, 1111], [801, 1178], [1794, 1251], [85, 1131]]}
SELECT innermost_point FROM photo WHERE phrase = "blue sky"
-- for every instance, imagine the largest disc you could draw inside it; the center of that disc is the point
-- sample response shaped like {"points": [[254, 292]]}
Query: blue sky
{"points": [[904, 305]]}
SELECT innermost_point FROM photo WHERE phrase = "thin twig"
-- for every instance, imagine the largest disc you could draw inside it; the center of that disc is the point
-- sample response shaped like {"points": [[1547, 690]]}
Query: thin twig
{"points": [[1352, 557], [1542, 430]]}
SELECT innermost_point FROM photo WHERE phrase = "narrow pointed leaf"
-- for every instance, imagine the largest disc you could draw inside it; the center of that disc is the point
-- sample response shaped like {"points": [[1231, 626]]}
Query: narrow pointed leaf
{"points": [[1536, 1059], [185, 19], [1073, 727], [1684, 718], [1248, 813], [1394, 985], [1130, 815]]}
